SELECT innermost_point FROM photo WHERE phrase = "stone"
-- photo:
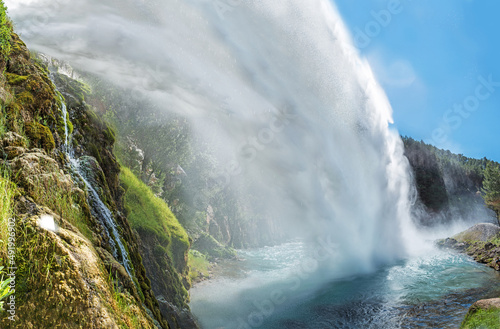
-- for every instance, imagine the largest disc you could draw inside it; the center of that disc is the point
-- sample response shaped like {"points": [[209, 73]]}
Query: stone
{"points": [[14, 140], [479, 232]]}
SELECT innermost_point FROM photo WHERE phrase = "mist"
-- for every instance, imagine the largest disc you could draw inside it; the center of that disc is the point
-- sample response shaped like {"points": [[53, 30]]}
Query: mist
{"points": [[291, 111]]}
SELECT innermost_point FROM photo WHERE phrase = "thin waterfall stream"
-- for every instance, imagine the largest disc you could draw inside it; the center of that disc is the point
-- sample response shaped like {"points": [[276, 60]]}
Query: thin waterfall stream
{"points": [[97, 206]]}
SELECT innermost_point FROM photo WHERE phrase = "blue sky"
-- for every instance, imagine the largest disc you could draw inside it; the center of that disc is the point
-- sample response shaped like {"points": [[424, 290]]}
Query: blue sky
{"points": [[429, 56]]}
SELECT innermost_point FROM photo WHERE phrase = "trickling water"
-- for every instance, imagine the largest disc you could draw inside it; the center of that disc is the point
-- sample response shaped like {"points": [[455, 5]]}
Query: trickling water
{"points": [[65, 118], [98, 208]]}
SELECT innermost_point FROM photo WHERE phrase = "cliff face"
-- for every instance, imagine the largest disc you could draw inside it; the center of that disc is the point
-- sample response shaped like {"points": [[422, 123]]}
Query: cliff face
{"points": [[70, 275], [448, 185]]}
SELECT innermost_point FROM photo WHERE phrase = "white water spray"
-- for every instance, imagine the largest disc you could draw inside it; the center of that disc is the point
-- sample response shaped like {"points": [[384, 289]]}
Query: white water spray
{"points": [[276, 89]]}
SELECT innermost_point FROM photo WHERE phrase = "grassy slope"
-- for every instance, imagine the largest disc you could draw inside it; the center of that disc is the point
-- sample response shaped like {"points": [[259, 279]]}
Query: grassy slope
{"points": [[149, 214]]}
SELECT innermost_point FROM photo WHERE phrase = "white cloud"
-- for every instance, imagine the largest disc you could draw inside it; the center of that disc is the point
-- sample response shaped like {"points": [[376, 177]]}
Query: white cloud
{"points": [[13, 4]]}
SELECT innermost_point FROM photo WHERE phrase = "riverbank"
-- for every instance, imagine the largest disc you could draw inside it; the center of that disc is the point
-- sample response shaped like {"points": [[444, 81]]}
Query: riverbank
{"points": [[482, 243]]}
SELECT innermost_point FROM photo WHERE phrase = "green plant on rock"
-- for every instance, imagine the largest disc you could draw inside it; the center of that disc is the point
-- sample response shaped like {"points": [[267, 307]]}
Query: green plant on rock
{"points": [[7, 191], [482, 319], [149, 213], [199, 266], [5, 290], [42, 134], [5, 31], [53, 193]]}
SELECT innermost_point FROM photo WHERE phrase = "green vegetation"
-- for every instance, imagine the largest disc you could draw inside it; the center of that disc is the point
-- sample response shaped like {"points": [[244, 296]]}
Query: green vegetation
{"points": [[165, 243], [5, 31], [37, 259], [447, 180], [3, 121], [482, 319], [213, 249], [491, 187], [5, 290], [53, 192], [7, 192], [149, 214], [41, 135], [199, 266], [122, 305], [14, 79]]}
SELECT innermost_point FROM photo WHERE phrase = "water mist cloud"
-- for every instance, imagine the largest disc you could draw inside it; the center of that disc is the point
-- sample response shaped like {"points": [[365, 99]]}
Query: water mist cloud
{"points": [[278, 82]]}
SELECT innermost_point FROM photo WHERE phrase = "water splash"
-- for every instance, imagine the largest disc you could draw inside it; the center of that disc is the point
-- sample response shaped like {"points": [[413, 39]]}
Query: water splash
{"points": [[291, 111]]}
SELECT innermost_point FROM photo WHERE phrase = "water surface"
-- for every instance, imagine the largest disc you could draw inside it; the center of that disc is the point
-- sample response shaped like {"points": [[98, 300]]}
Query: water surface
{"points": [[271, 288]]}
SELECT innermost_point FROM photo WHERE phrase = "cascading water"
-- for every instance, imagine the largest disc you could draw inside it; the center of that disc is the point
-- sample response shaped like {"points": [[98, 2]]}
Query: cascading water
{"points": [[98, 208], [298, 121], [278, 92]]}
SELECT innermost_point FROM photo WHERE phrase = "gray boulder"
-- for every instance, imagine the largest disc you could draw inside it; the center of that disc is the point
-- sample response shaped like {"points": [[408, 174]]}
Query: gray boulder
{"points": [[479, 232]]}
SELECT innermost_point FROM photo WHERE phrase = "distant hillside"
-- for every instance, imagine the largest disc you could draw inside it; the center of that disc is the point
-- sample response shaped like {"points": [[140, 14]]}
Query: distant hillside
{"points": [[448, 185]]}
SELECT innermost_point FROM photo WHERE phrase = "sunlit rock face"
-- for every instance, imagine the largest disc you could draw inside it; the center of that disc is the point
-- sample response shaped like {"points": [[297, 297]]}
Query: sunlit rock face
{"points": [[293, 114]]}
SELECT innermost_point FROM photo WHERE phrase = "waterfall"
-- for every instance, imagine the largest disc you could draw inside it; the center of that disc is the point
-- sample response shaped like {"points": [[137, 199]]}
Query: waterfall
{"points": [[291, 111], [98, 208]]}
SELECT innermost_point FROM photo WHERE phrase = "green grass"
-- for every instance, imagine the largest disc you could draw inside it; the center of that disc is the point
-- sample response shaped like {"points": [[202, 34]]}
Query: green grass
{"points": [[5, 31], [51, 193], [152, 216], [7, 191], [3, 121], [199, 266], [482, 319]]}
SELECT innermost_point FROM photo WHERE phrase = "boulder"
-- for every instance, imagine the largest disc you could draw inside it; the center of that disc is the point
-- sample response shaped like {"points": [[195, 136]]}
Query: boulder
{"points": [[476, 319], [12, 139], [479, 232], [487, 304]]}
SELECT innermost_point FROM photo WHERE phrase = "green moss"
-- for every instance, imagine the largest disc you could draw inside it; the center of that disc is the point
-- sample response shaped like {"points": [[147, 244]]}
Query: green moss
{"points": [[14, 79], [206, 244], [110, 134], [25, 98], [40, 135], [482, 319], [78, 89], [150, 214]]}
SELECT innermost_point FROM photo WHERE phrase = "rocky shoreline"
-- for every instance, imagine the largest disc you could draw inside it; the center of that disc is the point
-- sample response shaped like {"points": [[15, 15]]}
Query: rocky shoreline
{"points": [[482, 243]]}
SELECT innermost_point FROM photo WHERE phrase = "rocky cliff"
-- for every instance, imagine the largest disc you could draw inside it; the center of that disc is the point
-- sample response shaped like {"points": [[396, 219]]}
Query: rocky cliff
{"points": [[70, 273]]}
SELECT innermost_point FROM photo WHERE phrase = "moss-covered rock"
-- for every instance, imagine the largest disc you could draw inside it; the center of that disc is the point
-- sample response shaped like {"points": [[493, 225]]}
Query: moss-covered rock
{"points": [[484, 313], [70, 272], [207, 245], [61, 281], [40, 135], [164, 246], [479, 232]]}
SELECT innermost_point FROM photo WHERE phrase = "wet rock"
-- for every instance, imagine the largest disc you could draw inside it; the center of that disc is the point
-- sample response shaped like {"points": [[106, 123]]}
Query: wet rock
{"points": [[489, 246]]}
